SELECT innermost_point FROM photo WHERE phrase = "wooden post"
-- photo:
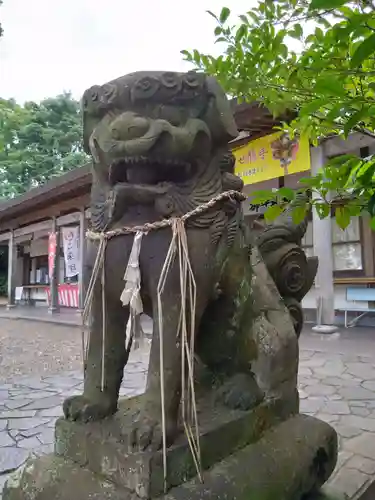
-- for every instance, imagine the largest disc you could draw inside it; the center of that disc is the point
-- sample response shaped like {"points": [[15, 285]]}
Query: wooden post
{"points": [[322, 234], [12, 267], [54, 306], [82, 254]]}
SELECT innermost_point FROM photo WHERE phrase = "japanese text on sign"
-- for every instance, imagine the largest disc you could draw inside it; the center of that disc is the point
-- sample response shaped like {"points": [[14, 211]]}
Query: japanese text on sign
{"points": [[71, 250], [272, 156]]}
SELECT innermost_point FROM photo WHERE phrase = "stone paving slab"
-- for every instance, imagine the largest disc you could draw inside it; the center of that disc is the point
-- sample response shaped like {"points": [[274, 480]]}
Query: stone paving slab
{"points": [[334, 387], [29, 409]]}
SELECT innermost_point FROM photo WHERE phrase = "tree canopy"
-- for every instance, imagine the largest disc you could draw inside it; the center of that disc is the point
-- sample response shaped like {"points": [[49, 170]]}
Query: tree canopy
{"points": [[315, 57], [37, 142]]}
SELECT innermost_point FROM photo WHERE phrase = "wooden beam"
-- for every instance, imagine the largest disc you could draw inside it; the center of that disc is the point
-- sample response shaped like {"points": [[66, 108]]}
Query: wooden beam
{"points": [[32, 228], [5, 236], [334, 146], [70, 205], [68, 219]]}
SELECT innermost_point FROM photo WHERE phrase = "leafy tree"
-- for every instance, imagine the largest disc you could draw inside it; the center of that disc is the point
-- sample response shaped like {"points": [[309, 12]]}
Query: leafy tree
{"points": [[317, 58], [37, 142]]}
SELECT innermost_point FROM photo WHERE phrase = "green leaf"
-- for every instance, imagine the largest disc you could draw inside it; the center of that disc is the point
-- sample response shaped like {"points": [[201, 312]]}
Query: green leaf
{"points": [[354, 210], [212, 14], [299, 213], [340, 160], [272, 213], [312, 106], [261, 196], [187, 55], [363, 51], [322, 209], [353, 121], [287, 193], [371, 205], [326, 4], [218, 30], [196, 56], [319, 35], [224, 14], [372, 223], [241, 32], [342, 216], [298, 30], [330, 85]]}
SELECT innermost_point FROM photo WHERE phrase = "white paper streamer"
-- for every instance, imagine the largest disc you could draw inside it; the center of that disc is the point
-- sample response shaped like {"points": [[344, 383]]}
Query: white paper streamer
{"points": [[131, 294]]}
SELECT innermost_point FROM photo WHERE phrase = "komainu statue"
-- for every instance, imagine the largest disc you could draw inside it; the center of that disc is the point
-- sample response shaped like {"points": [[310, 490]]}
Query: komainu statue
{"points": [[220, 414]]}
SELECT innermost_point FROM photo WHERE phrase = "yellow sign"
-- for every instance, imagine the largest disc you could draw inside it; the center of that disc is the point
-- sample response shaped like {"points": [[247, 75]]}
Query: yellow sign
{"points": [[272, 156]]}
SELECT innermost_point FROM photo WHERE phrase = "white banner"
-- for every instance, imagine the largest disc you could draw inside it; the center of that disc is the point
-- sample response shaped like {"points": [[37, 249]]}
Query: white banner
{"points": [[70, 236]]}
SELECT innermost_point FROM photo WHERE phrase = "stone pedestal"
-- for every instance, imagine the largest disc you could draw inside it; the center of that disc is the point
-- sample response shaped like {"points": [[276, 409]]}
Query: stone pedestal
{"points": [[265, 453]]}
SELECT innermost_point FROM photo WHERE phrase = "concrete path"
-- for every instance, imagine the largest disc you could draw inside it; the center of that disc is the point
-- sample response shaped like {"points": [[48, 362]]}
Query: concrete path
{"points": [[338, 387]]}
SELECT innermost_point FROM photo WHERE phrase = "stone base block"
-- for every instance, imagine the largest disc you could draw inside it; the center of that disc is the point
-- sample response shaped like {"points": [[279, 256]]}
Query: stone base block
{"points": [[104, 447], [54, 478], [291, 460]]}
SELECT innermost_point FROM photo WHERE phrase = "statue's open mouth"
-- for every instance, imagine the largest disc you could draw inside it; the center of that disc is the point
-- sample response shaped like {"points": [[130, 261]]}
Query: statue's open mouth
{"points": [[143, 170]]}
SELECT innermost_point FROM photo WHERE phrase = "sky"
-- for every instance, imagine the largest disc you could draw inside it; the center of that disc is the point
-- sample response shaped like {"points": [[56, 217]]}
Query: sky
{"points": [[51, 46]]}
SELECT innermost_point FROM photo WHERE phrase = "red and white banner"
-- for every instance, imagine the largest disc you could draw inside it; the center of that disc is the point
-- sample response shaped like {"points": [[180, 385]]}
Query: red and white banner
{"points": [[68, 295], [51, 254]]}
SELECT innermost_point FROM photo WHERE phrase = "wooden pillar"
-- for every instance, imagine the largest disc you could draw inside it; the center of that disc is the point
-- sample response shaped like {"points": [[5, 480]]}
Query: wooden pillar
{"points": [[33, 271], [54, 306], [12, 267], [322, 235], [82, 255]]}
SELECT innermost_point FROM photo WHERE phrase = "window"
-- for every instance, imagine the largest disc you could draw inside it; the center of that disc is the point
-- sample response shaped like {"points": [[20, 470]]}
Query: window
{"points": [[346, 246]]}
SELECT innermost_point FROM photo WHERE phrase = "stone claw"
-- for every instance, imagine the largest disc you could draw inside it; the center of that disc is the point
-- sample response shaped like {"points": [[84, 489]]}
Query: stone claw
{"points": [[84, 409], [147, 432]]}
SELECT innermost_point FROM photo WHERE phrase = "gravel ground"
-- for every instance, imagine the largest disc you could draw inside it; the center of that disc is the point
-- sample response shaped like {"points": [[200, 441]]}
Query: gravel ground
{"points": [[33, 348]]}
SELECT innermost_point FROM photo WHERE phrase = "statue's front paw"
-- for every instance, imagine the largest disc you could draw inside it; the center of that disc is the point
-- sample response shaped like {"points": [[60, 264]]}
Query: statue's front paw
{"points": [[147, 432], [85, 409]]}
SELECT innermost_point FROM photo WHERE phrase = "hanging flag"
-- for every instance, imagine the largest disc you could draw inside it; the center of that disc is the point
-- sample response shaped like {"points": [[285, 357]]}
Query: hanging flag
{"points": [[51, 254], [70, 236]]}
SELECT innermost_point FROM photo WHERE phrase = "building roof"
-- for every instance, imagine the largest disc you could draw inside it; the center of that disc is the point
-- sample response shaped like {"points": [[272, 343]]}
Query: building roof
{"points": [[65, 186]]}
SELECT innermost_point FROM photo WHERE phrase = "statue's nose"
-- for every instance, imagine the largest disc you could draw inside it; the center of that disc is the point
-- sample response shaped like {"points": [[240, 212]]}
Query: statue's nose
{"points": [[127, 126]]}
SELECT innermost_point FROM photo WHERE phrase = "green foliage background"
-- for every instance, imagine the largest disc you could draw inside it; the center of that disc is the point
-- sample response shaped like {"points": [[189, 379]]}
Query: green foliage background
{"points": [[37, 142], [315, 57]]}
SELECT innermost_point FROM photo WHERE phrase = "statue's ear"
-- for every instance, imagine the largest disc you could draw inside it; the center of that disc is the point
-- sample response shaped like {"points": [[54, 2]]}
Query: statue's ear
{"points": [[89, 124], [91, 114], [219, 115]]}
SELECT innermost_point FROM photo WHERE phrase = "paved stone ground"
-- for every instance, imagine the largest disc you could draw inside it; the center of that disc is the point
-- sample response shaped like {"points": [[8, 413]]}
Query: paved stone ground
{"points": [[30, 348], [335, 385], [340, 389], [30, 406]]}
